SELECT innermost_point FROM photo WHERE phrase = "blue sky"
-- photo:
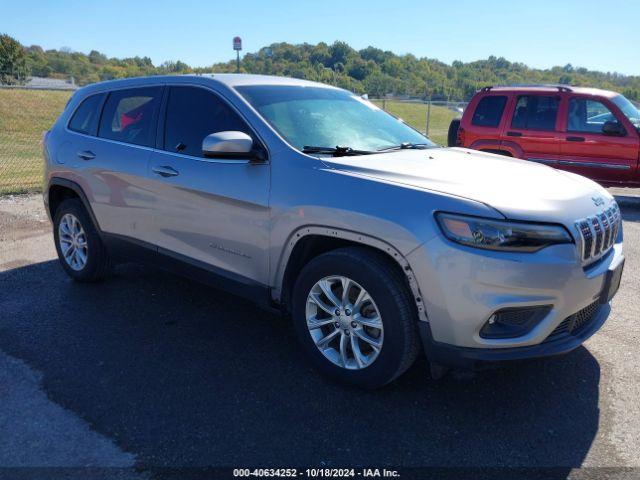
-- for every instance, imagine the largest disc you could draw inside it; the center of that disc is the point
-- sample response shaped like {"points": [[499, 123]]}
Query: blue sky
{"points": [[595, 34]]}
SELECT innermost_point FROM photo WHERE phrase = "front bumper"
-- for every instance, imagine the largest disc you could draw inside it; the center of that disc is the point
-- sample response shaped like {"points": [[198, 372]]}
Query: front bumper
{"points": [[462, 287], [478, 358]]}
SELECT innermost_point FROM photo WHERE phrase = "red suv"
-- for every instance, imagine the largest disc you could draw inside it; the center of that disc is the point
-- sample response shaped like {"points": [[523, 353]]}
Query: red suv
{"points": [[595, 133]]}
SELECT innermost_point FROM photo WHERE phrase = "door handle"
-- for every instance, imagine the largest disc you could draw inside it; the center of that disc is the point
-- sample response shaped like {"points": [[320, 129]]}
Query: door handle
{"points": [[514, 134], [86, 155], [165, 171], [575, 139]]}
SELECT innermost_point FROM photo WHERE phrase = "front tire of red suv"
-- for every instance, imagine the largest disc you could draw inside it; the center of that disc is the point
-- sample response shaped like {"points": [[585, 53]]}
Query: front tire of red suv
{"points": [[354, 317], [80, 249]]}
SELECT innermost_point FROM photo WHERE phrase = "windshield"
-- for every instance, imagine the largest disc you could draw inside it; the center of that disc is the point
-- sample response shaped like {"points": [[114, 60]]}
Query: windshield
{"points": [[628, 108], [316, 116]]}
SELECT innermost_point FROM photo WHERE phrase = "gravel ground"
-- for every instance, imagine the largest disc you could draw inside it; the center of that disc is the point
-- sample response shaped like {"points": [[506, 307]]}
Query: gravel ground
{"points": [[150, 370]]}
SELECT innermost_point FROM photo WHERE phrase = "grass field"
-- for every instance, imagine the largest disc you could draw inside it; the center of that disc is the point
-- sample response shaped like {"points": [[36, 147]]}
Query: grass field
{"points": [[24, 116], [415, 114]]}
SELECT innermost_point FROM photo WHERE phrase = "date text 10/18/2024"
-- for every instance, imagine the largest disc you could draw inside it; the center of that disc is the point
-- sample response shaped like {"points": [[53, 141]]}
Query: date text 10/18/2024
{"points": [[317, 472]]}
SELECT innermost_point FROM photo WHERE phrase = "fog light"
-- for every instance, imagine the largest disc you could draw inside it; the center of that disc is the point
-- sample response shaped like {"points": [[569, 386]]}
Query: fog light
{"points": [[513, 322]]}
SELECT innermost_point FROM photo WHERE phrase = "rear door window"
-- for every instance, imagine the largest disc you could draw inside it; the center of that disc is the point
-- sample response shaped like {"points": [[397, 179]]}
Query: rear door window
{"points": [[588, 116], [85, 118], [489, 111], [536, 112], [130, 115], [192, 114]]}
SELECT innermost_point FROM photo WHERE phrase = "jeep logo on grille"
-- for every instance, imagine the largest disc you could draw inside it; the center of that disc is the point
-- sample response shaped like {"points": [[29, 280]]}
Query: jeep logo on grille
{"points": [[597, 201]]}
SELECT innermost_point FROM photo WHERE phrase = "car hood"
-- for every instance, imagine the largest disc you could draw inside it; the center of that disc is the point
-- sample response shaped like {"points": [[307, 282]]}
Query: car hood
{"points": [[518, 189]]}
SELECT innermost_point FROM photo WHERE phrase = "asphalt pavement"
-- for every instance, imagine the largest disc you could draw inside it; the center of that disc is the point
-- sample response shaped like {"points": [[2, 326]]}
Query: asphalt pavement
{"points": [[149, 370]]}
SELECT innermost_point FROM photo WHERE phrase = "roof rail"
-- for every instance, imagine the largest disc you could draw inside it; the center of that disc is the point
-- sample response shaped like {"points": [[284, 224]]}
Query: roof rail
{"points": [[561, 88]]}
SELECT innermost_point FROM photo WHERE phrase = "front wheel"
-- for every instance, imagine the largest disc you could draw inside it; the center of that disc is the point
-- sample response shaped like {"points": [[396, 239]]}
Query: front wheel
{"points": [[354, 317]]}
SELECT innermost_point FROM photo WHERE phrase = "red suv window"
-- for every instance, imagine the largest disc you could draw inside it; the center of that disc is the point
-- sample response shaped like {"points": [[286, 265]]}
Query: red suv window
{"points": [[536, 112], [588, 116], [488, 113]]}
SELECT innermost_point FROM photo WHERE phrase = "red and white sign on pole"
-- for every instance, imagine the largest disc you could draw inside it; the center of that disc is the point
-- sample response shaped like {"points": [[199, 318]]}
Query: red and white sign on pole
{"points": [[237, 46]]}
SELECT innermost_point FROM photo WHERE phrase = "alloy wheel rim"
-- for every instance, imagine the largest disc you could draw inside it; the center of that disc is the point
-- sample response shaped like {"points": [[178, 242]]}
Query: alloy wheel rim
{"points": [[73, 242], [344, 322]]}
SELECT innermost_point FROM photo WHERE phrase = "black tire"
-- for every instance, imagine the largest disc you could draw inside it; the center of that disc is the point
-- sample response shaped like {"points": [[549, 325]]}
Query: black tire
{"points": [[97, 264], [387, 287], [452, 135]]}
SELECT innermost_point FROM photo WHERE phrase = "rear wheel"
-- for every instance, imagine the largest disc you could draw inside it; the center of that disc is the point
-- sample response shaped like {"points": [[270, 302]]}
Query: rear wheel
{"points": [[452, 135], [354, 317], [80, 249]]}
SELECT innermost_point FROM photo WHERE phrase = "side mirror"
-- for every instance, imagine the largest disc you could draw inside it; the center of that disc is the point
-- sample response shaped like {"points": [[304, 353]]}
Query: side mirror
{"points": [[614, 129], [230, 145]]}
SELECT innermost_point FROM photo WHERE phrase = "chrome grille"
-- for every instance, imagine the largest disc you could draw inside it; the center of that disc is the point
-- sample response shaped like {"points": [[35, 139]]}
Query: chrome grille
{"points": [[604, 221], [595, 223], [598, 233]]}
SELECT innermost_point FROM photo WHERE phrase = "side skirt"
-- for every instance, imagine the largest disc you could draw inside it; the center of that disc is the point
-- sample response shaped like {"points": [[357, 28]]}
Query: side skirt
{"points": [[123, 248]]}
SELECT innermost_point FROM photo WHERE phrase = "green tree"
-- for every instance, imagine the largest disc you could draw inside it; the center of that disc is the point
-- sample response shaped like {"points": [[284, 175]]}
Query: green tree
{"points": [[340, 53], [320, 54], [13, 61], [370, 70]]}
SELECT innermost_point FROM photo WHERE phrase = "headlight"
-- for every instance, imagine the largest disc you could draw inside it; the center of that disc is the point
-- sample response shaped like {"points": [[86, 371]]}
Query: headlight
{"points": [[501, 235]]}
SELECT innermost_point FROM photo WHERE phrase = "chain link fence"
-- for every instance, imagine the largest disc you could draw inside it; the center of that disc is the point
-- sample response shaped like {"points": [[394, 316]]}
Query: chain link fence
{"points": [[429, 117], [25, 114], [20, 162]]}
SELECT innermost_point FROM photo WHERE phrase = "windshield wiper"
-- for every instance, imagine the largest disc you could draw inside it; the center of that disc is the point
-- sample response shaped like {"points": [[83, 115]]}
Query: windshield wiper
{"points": [[406, 146], [335, 151]]}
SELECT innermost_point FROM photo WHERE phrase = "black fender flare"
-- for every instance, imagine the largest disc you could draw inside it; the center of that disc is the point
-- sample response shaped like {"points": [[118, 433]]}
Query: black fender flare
{"points": [[356, 238], [77, 189]]}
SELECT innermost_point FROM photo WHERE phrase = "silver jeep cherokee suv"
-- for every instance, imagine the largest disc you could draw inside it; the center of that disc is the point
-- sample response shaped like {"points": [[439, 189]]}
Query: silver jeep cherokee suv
{"points": [[312, 200]]}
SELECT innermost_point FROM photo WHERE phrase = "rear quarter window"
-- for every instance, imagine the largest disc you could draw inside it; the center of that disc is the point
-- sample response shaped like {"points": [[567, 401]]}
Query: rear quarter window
{"points": [[489, 111], [85, 118]]}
